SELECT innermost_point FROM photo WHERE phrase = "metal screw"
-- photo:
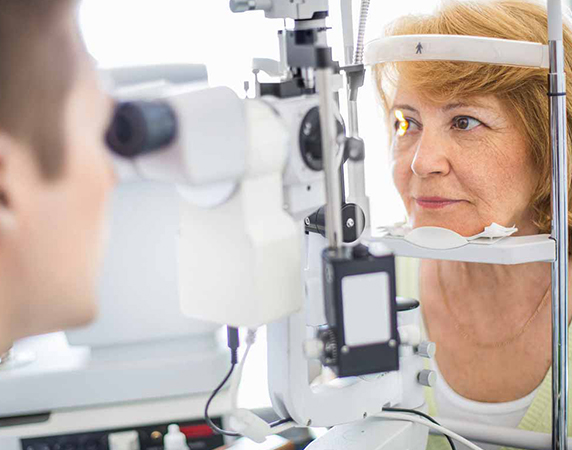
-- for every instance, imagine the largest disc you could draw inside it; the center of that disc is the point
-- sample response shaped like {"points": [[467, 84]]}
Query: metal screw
{"points": [[350, 223], [307, 221], [392, 343], [345, 349], [309, 422]]}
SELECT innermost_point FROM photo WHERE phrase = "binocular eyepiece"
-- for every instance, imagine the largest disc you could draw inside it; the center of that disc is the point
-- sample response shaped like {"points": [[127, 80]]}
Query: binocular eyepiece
{"points": [[140, 127]]}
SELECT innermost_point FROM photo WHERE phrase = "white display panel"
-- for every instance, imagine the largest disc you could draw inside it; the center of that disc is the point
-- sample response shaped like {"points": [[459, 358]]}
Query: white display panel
{"points": [[367, 309]]}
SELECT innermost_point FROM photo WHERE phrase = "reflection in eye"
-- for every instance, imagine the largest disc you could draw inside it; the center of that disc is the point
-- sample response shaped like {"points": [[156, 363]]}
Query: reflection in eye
{"points": [[403, 124]]}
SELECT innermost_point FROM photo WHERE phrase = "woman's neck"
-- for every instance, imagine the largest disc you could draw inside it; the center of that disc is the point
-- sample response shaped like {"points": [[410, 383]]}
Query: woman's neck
{"points": [[498, 287]]}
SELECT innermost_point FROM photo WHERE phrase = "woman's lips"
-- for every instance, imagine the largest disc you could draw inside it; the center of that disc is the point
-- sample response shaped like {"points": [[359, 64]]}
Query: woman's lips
{"points": [[435, 202]]}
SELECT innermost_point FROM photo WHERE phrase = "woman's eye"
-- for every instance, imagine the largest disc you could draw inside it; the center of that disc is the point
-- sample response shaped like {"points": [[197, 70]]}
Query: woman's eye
{"points": [[465, 123], [403, 124]]}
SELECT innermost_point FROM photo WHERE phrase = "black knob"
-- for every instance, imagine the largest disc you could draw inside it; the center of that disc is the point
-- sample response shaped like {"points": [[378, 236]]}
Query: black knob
{"points": [[141, 127], [316, 223]]}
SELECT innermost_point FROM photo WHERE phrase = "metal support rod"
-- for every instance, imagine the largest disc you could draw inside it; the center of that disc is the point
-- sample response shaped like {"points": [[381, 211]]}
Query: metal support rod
{"points": [[557, 98], [347, 30], [330, 148], [356, 169], [501, 436]]}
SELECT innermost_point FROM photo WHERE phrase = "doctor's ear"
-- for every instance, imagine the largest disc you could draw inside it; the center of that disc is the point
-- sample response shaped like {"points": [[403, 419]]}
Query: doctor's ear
{"points": [[7, 215]]}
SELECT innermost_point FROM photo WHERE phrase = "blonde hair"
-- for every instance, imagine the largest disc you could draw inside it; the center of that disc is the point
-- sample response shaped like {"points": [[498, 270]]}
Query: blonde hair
{"points": [[523, 91]]}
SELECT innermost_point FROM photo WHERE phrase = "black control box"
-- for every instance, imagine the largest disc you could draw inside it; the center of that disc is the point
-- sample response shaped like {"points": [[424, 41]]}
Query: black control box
{"points": [[361, 311], [150, 437]]}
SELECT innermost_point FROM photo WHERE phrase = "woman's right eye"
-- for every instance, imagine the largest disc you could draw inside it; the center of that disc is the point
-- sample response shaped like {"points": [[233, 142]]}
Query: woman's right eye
{"points": [[404, 124]]}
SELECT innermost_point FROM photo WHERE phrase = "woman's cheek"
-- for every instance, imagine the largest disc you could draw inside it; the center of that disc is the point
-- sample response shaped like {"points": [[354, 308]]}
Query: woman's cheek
{"points": [[401, 173]]}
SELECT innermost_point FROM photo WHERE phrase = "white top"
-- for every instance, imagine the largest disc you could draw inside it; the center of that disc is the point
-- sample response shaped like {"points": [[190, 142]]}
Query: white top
{"points": [[452, 405]]}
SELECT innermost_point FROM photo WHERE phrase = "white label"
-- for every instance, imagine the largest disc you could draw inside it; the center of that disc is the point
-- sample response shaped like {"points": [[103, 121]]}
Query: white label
{"points": [[366, 308]]}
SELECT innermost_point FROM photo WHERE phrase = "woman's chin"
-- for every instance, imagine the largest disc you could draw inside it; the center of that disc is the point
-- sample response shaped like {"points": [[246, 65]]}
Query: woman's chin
{"points": [[463, 229]]}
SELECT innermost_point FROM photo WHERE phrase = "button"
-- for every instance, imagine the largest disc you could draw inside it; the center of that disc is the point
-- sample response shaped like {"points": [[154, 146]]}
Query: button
{"points": [[427, 378], [427, 349], [197, 431]]}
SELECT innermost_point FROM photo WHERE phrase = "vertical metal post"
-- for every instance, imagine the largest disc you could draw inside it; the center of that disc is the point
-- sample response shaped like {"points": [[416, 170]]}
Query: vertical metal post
{"points": [[558, 135], [334, 232], [356, 169], [347, 30]]}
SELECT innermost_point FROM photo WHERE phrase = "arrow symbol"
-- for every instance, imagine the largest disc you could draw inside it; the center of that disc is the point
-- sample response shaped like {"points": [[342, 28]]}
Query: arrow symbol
{"points": [[419, 49]]}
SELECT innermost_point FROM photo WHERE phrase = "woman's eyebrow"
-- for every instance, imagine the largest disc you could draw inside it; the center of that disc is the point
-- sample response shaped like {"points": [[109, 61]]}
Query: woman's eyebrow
{"points": [[474, 104], [410, 108]]}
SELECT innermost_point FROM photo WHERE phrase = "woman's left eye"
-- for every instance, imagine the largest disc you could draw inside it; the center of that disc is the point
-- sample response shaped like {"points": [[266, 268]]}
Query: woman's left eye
{"points": [[465, 123]]}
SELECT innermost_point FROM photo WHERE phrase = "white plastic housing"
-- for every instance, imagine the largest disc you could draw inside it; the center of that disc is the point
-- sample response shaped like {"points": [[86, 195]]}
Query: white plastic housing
{"points": [[304, 188], [239, 262], [212, 139], [510, 250], [297, 10], [432, 47]]}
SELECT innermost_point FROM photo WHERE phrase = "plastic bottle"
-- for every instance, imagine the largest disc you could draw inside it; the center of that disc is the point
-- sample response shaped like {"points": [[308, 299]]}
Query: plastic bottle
{"points": [[174, 439]]}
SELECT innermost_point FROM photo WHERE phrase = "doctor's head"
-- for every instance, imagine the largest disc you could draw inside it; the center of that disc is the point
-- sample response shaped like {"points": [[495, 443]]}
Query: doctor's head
{"points": [[54, 176], [470, 142]]}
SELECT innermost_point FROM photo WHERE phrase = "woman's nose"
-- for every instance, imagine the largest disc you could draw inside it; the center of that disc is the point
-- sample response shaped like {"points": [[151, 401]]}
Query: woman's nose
{"points": [[430, 156]]}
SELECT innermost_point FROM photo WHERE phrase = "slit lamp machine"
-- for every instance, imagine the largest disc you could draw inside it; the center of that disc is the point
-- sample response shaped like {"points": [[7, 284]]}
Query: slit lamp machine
{"points": [[271, 227]]}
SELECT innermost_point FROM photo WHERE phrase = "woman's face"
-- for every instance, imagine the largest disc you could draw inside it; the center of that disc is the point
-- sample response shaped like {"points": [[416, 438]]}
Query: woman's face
{"points": [[461, 165]]}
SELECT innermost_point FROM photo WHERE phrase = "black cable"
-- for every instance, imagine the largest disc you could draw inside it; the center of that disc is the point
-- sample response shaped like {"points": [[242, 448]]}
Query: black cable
{"points": [[213, 395], [426, 416], [233, 341]]}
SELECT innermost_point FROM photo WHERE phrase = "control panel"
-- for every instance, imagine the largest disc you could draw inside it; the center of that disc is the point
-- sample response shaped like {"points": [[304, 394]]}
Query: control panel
{"points": [[149, 437]]}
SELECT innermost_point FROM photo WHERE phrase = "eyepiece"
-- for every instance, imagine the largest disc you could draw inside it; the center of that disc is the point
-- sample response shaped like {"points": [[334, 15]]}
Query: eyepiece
{"points": [[140, 127]]}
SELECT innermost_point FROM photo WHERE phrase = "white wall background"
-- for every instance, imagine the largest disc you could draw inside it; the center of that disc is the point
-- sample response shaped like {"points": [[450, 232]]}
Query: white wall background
{"points": [[131, 32]]}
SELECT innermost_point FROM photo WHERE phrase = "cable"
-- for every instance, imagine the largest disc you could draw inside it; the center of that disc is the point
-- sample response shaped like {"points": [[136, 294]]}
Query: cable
{"points": [[277, 423], [284, 427], [233, 343], [439, 428], [236, 379], [211, 398], [426, 416]]}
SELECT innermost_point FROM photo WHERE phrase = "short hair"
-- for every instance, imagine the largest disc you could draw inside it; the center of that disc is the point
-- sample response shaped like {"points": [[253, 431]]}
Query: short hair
{"points": [[523, 91], [37, 66]]}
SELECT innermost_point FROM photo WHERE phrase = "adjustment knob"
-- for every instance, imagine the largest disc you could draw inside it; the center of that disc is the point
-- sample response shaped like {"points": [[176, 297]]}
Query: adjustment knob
{"points": [[427, 349], [427, 378]]}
